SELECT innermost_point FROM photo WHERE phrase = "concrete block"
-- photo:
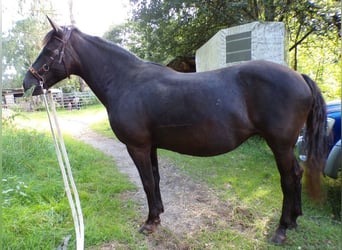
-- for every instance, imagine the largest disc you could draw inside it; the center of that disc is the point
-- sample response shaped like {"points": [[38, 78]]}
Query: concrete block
{"points": [[252, 41]]}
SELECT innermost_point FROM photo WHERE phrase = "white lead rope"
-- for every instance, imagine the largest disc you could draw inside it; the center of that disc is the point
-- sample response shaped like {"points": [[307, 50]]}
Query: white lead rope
{"points": [[65, 167]]}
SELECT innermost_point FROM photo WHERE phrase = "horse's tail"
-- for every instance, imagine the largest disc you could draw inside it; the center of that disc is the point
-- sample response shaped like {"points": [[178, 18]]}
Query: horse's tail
{"points": [[316, 141]]}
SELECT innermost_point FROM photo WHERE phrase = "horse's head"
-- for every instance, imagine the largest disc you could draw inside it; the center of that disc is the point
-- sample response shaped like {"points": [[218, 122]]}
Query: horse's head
{"points": [[54, 61]]}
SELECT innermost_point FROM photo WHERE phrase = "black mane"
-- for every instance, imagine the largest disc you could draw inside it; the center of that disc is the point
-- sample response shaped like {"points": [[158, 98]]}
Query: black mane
{"points": [[48, 37], [52, 33]]}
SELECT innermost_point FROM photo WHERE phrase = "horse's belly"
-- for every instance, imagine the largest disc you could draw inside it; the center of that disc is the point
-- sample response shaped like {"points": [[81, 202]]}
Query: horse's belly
{"points": [[199, 142]]}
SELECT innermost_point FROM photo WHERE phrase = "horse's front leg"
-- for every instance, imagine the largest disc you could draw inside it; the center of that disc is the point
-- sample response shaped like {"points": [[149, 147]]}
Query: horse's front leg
{"points": [[142, 160], [291, 175]]}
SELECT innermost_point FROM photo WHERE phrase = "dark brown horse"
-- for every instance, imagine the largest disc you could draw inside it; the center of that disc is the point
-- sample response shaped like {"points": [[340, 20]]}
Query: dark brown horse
{"points": [[201, 114]]}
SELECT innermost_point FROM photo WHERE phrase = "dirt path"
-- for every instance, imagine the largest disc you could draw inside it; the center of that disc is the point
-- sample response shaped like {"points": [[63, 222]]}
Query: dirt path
{"points": [[189, 206]]}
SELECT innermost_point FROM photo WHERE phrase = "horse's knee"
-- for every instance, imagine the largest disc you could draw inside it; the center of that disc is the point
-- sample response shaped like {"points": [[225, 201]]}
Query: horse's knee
{"points": [[298, 169]]}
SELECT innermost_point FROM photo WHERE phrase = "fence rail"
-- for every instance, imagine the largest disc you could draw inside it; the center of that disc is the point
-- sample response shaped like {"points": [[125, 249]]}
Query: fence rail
{"points": [[75, 100]]}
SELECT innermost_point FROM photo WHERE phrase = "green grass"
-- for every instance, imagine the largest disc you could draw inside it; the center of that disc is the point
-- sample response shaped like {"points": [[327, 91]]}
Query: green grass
{"points": [[103, 128], [41, 115], [248, 178], [36, 214]]}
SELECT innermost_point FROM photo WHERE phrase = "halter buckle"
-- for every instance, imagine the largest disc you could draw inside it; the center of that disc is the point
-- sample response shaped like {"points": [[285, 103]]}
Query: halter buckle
{"points": [[46, 67]]}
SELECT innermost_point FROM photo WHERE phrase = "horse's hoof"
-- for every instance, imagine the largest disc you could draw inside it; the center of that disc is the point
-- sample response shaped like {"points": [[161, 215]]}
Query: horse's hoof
{"points": [[278, 239], [149, 228], [293, 225], [279, 236], [146, 229]]}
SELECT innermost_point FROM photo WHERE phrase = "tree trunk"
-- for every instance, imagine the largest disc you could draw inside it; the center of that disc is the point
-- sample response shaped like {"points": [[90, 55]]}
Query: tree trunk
{"points": [[73, 22], [295, 60], [83, 84], [72, 18]]}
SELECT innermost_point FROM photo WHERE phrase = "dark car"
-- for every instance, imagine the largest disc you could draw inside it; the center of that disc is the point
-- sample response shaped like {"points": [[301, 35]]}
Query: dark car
{"points": [[334, 157]]}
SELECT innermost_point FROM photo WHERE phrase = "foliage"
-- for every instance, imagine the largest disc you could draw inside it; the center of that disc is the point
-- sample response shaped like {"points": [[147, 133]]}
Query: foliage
{"points": [[321, 60], [165, 29], [20, 48], [21, 44], [115, 34]]}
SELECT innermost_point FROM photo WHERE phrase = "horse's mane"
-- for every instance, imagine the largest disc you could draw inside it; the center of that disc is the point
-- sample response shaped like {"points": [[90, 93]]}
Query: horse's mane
{"points": [[98, 41], [52, 33], [105, 44], [48, 37]]}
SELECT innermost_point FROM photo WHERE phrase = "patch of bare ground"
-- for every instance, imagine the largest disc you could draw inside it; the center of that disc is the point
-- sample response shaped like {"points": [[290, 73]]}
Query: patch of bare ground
{"points": [[191, 207]]}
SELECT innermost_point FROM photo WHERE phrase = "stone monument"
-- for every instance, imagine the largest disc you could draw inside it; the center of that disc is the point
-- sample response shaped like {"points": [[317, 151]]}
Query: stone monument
{"points": [[252, 41]]}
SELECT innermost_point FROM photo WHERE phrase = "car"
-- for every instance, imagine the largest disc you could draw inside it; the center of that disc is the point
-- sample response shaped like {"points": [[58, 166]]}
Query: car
{"points": [[334, 156]]}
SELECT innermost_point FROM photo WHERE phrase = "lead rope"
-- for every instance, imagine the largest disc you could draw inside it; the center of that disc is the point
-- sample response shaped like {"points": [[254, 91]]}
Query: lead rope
{"points": [[65, 167]]}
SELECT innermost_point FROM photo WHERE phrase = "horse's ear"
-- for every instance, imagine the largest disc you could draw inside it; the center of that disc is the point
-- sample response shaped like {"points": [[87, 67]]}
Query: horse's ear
{"points": [[55, 26]]}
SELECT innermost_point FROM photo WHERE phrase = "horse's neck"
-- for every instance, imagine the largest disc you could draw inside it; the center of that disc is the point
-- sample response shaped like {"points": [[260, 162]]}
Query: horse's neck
{"points": [[102, 65]]}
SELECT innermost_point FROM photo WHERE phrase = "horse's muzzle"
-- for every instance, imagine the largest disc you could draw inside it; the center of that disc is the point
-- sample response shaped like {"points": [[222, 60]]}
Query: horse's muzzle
{"points": [[37, 90], [32, 89], [31, 86]]}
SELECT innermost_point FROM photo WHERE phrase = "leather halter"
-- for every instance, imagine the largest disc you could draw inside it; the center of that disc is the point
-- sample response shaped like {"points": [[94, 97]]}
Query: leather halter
{"points": [[40, 73]]}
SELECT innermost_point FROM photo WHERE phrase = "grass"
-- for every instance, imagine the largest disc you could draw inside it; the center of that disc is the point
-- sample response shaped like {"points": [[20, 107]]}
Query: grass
{"points": [[249, 179], [103, 128], [41, 115], [36, 214]]}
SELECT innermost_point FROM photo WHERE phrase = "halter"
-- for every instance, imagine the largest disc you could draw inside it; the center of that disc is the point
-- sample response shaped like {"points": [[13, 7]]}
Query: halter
{"points": [[39, 74]]}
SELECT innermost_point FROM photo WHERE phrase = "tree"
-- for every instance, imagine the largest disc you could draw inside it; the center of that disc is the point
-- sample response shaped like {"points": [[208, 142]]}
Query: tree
{"points": [[165, 29], [177, 28], [310, 19], [116, 34], [20, 48], [80, 81], [21, 43]]}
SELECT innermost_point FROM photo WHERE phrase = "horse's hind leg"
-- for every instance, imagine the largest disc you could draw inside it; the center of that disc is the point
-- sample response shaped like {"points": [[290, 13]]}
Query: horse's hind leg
{"points": [[156, 176], [291, 175], [150, 179]]}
